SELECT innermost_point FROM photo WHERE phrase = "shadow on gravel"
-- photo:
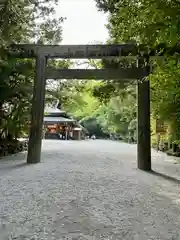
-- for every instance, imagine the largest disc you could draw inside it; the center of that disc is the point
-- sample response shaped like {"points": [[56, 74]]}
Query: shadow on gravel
{"points": [[162, 175], [14, 157], [13, 167], [13, 162]]}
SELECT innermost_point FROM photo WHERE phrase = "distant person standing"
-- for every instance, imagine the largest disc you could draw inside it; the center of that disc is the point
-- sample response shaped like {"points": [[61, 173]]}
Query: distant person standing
{"points": [[158, 142], [93, 137], [71, 135], [132, 139]]}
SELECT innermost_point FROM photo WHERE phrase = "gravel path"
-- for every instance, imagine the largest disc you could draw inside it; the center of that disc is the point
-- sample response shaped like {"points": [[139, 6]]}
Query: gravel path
{"points": [[89, 190]]}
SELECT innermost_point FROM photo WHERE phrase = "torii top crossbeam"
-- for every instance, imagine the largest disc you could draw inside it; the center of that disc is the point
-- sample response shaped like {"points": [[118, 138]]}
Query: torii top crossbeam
{"points": [[89, 51], [71, 51]]}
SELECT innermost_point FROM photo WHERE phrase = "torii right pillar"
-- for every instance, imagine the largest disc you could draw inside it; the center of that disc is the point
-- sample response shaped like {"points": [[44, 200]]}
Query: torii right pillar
{"points": [[143, 123]]}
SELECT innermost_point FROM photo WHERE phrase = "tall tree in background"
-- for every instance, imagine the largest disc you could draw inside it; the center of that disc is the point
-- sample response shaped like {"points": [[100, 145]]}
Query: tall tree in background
{"points": [[28, 20], [151, 22], [145, 21]]}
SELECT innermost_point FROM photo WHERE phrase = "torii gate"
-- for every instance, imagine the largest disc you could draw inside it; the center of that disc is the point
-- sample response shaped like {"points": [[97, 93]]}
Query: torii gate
{"points": [[43, 52]]}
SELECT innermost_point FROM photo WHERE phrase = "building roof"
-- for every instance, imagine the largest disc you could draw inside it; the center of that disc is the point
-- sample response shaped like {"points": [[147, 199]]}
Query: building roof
{"points": [[77, 129], [50, 110], [53, 120]]}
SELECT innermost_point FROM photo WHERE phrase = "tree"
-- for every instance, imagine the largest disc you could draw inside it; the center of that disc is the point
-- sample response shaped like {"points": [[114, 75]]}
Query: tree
{"points": [[29, 20], [145, 21], [151, 22], [15, 96], [22, 21], [165, 96]]}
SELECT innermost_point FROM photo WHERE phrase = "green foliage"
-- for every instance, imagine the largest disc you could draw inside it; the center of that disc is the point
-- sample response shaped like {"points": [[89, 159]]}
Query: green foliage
{"points": [[107, 5], [23, 21], [165, 94], [76, 97], [15, 96], [150, 22], [94, 127], [146, 21], [104, 91], [122, 111], [100, 116], [29, 20]]}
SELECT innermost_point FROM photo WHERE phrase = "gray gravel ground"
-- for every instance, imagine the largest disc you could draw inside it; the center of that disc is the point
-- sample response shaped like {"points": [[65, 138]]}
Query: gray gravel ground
{"points": [[89, 190]]}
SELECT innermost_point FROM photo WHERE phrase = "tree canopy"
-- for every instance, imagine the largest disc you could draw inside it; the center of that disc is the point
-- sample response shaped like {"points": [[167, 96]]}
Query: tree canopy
{"points": [[23, 22]]}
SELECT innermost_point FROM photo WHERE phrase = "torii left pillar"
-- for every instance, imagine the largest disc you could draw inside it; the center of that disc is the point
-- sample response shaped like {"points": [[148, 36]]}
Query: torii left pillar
{"points": [[37, 114]]}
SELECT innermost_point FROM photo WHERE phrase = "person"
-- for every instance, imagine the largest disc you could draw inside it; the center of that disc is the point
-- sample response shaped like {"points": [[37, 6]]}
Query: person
{"points": [[93, 137], [60, 136], [158, 142], [71, 135]]}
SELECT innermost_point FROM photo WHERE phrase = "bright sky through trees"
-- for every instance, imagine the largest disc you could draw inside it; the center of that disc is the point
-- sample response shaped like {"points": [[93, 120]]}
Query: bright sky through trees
{"points": [[84, 24]]}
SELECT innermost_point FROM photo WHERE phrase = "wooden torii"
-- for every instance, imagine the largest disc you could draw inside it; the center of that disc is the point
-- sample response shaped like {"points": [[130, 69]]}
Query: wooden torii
{"points": [[43, 52]]}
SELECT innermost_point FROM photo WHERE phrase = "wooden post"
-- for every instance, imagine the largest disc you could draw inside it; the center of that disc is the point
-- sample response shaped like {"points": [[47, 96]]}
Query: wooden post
{"points": [[143, 125], [79, 135], [37, 115]]}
